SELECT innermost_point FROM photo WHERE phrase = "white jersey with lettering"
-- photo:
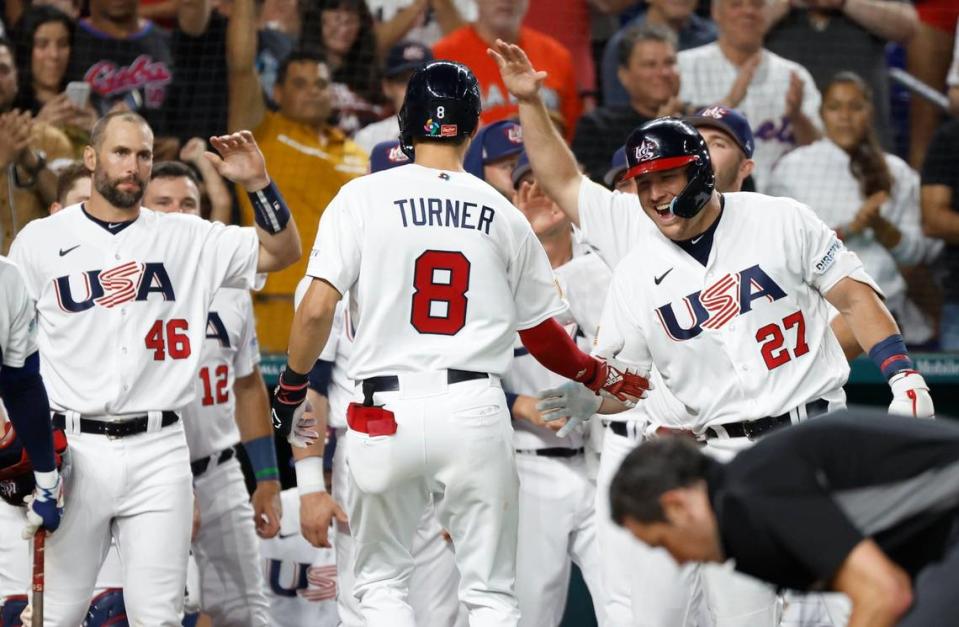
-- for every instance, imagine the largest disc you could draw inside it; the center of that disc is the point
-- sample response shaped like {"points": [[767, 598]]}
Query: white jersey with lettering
{"points": [[300, 578], [122, 315], [441, 281], [583, 282], [228, 353], [18, 329], [746, 336]]}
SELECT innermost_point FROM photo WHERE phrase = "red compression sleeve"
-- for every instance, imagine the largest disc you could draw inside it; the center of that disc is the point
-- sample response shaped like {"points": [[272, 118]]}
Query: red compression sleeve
{"points": [[552, 346]]}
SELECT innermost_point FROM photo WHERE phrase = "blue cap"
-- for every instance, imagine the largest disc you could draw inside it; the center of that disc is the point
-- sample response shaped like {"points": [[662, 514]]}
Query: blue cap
{"points": [[521, 169], [730, 121], [386, 155], [406, 56], [493, 142], [617, 166]]}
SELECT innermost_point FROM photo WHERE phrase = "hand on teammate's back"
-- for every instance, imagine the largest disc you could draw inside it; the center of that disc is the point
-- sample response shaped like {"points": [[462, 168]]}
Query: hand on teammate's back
{"points": [[317, 511], [45, 505]]}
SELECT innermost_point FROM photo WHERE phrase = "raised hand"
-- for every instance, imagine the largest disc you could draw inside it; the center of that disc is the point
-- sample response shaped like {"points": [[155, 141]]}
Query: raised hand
{"points": [[522, 81], [240, 160]]}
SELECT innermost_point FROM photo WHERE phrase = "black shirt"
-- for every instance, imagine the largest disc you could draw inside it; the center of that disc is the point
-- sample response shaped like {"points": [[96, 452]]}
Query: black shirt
{"points": [[791, 508], [941, 167], [600, 133], [137, 70]]}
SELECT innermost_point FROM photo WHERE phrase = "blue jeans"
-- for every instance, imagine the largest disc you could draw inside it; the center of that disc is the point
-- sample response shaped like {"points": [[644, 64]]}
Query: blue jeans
{"points": [[949, 327]]}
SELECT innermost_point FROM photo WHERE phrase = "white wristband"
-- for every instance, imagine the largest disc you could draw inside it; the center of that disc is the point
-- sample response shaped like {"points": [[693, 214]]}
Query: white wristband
{"points": [[309, 475]]}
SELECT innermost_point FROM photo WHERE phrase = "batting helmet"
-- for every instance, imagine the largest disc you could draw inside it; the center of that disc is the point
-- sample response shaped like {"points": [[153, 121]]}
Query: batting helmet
{"points": [[667, 144], [442, 103], [16, 472]]}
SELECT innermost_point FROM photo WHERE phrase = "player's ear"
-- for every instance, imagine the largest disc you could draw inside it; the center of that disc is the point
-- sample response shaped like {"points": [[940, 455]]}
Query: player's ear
{"points": [[674, 505], [746, 168], [90, 158]]}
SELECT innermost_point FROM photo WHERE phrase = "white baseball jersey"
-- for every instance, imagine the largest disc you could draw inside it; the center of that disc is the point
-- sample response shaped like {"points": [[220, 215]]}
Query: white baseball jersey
{"points": [[442, 281], [229, 352], [708, 75], [122, 316], [337, 351], [583, 282], [300, 578], [18, 330], [746, 336]]}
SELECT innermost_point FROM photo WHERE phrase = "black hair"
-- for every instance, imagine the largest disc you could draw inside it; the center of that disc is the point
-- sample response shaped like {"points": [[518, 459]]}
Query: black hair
{"points": [[640, 34], [360, 67], [31, 20], [300, 54], [652, 469], [867, 160]]}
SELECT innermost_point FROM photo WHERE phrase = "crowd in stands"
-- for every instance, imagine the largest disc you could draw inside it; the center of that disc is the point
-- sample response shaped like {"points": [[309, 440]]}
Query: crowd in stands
{"points": [[319, 83]]}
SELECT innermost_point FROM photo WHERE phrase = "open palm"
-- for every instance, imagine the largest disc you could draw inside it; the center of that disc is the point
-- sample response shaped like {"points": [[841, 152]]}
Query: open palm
{"points": [[240, 160], [519, 76]]}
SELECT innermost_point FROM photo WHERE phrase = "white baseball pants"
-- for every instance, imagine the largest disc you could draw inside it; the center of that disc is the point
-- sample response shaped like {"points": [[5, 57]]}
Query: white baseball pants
{"points": [[454, 444], [139, 490], [227, 550], [433, 584], [557, 526]]}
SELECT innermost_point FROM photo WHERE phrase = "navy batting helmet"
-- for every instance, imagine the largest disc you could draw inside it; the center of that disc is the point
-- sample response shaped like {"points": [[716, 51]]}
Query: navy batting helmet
{"points": [[666, 144], [16, 471], [442, 103]]}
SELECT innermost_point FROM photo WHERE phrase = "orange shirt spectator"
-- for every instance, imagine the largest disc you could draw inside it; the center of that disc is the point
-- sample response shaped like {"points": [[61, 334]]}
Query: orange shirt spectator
{"points": [[568, 21], [560, 92]]}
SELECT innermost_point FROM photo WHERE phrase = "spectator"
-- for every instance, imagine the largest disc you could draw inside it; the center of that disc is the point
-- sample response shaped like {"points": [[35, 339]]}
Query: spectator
{"points": [[647, 68], [493, 153], [940, 219], [199, 101], [777, 96], [614, 175], [347, 40], [927, 59], [423, 21], [820, 32], [73, 186], [43, 50], [869, 197], [309, 159], [952, 80], [28, 146], [731, 145], [127, 61], [679, 16], [401, 62], [502, 19], [162, 12]]}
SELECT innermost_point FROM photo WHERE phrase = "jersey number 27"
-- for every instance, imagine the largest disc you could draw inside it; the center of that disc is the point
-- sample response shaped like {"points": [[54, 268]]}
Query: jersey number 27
{"points": [[440, 280]]}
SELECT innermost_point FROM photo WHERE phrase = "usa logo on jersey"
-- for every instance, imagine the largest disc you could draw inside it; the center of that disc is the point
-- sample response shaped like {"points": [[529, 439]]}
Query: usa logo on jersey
{"points": [[127, 282], [720, 302]]}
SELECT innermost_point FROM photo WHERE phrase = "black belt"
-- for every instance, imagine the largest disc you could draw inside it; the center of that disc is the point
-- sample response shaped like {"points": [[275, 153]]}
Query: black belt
{"points": [[553, 451], [618, 427], [753, 429], [391, 383], [200, 466], [119, 429]]}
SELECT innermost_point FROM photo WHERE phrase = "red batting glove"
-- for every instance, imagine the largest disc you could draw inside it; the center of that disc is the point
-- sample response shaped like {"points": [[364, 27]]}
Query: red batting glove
{"points": [[615, 380]]}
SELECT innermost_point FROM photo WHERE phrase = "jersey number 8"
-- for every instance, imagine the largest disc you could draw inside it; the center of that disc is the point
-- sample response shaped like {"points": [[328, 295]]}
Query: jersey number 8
{"points": [[441, 279]]}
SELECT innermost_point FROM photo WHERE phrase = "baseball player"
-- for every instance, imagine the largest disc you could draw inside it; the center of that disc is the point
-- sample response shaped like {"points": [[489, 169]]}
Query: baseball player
{"points": [[557, 523], [493, 154], [434, 581], [614, 224], [300, 578], [465, 272], [122, 297], [231, 404]]}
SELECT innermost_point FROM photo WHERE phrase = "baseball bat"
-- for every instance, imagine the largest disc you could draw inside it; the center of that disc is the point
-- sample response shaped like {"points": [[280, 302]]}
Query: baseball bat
{"points": [[37, 600]]}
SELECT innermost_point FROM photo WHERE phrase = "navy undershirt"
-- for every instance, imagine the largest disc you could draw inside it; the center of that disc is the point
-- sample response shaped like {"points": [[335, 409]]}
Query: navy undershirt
{"points": [[110, 227], [698, 247]]}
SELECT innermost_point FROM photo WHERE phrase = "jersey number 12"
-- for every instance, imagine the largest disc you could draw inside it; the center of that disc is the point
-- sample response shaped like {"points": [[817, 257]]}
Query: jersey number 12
{"points": [[440, 279]]}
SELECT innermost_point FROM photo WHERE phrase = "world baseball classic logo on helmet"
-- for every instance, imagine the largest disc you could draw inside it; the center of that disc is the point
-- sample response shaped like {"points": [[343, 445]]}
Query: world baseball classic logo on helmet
{"points": [[647, 151]]}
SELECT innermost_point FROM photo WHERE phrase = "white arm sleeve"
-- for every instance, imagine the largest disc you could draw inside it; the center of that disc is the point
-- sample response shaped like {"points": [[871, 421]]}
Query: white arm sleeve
{"points": [[229, 254], [18, 329], [535, 292], [620, 334], [248, 352], [335, 257], [610, 221], [825, 259]]}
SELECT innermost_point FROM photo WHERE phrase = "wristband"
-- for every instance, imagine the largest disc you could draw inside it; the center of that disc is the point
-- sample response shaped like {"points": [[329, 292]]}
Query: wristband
{"points": [[309, 475], [269, 209], [890, 356], [262, 455]]}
